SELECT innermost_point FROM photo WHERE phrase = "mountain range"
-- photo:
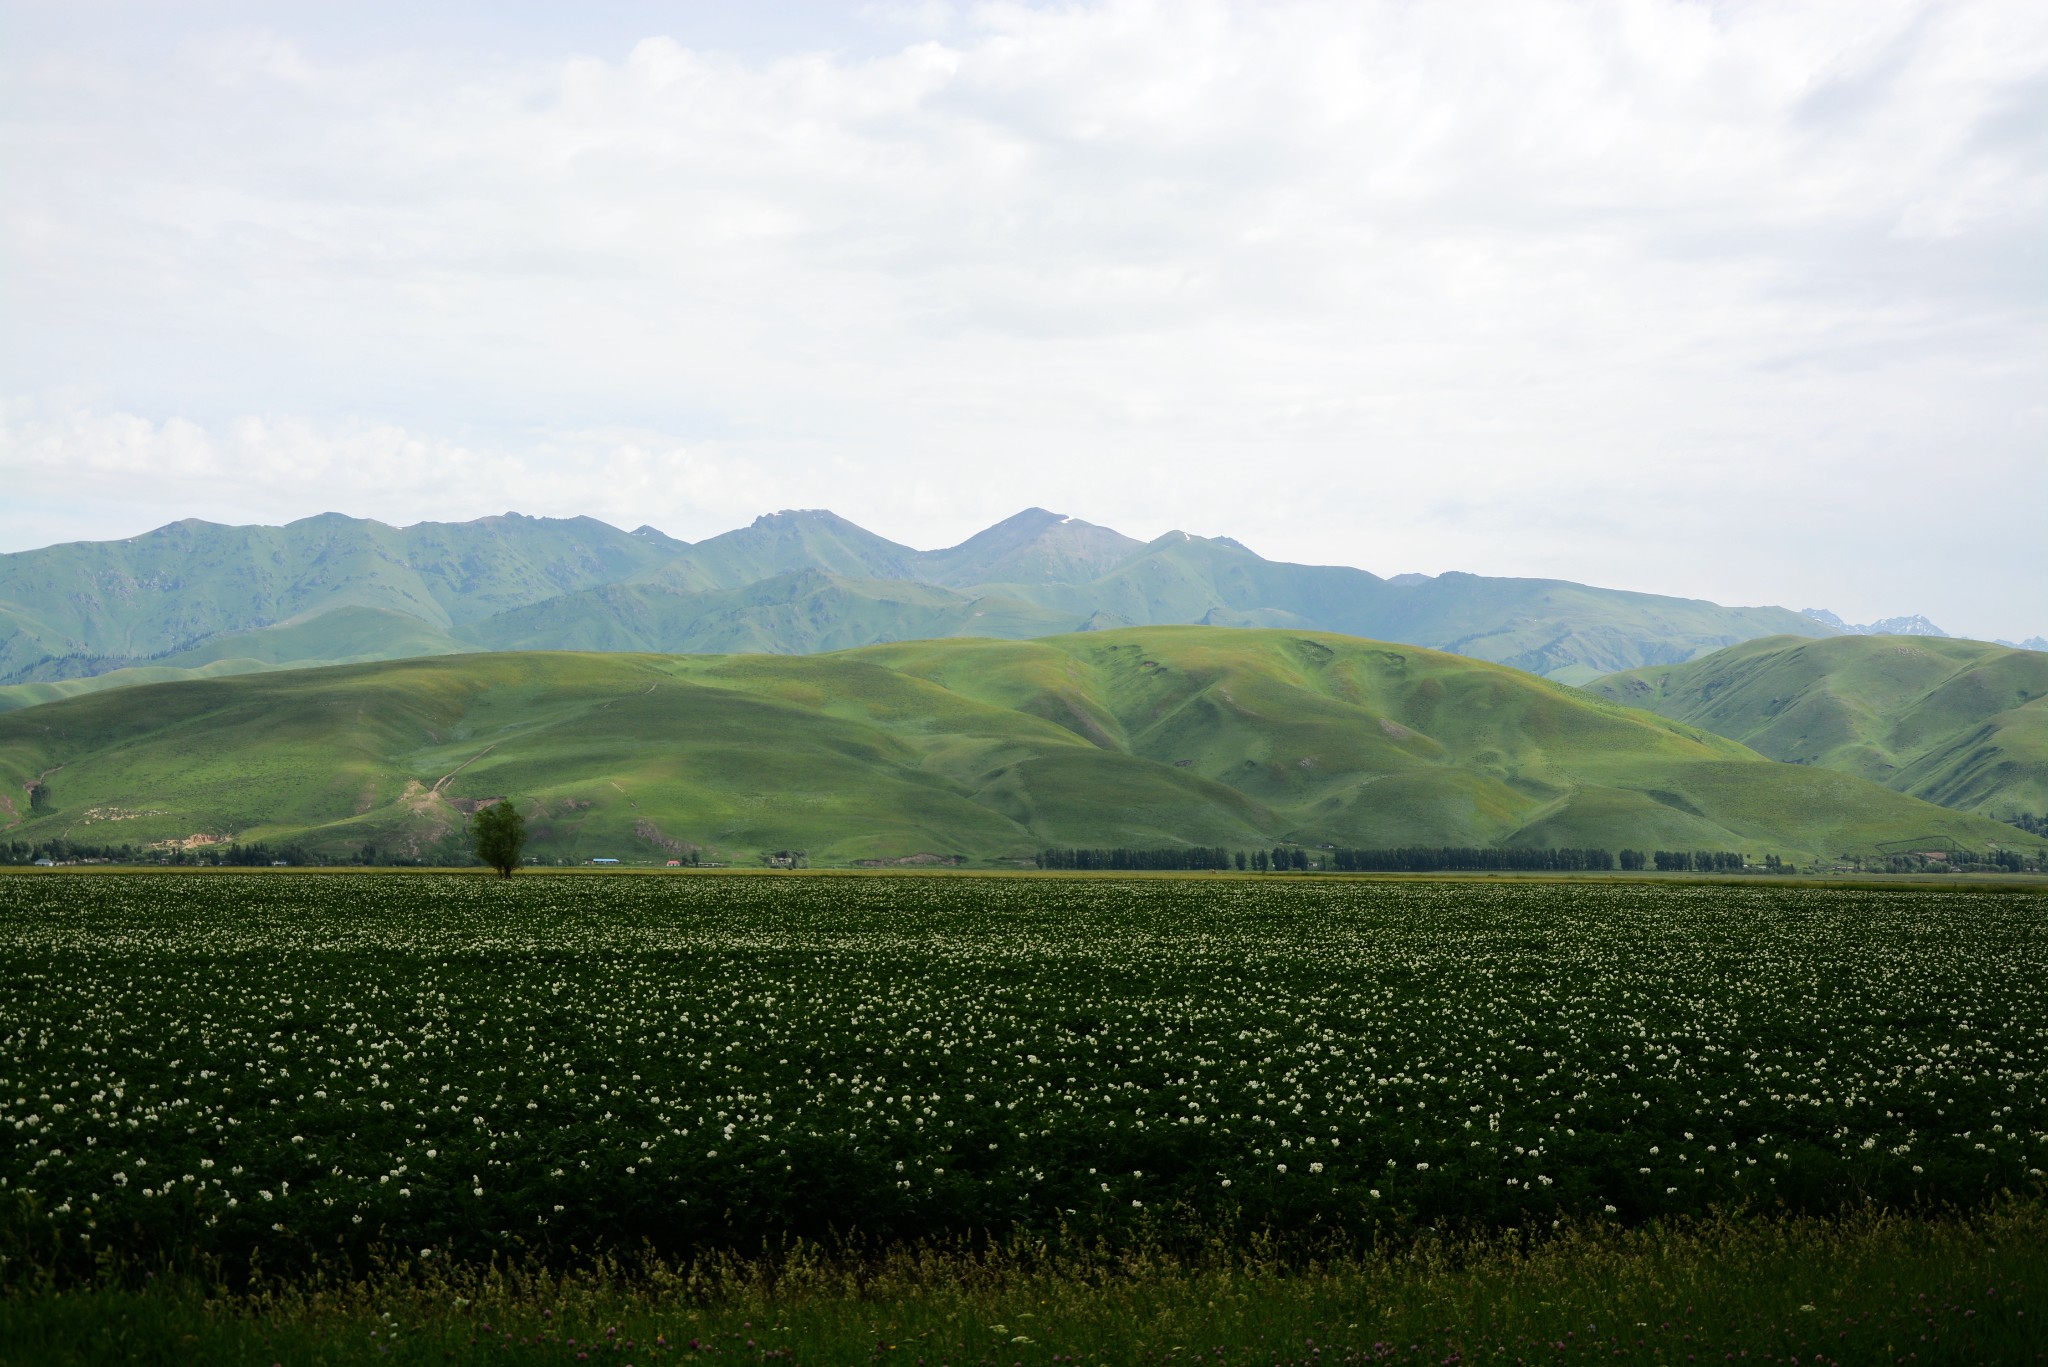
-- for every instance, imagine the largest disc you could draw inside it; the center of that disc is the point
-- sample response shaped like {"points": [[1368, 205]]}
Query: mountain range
{"points": [[980, 750], [195, 599], [1914, 625], [1957, 723]]}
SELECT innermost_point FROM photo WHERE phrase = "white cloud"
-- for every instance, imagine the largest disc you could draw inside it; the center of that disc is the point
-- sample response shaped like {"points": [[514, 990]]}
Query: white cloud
{"points": [[1738, 300], [113, 465]]}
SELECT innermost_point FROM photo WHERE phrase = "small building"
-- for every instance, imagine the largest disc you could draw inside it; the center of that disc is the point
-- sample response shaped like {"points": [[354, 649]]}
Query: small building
{"points": [[602, 860], [674, 864]]}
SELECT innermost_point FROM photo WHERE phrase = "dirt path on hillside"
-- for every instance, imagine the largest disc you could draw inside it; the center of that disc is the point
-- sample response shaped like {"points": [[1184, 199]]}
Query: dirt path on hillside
{"points": [[436, 789]]}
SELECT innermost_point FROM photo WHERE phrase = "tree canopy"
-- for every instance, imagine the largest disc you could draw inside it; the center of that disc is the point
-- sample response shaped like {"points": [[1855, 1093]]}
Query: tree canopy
{"points": [[500, 834]]}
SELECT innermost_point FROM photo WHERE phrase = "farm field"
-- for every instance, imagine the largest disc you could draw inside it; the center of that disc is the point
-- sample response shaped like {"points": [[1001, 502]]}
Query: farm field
{"points": [[322, 1074]]}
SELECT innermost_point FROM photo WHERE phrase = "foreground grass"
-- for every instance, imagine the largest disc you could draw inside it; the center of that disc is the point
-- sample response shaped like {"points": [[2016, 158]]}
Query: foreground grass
{"points": [[1868, 1288]]}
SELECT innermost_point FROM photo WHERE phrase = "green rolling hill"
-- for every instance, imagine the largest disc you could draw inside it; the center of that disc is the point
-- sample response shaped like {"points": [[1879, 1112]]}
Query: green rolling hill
{"points": [[193, 595], [981, 748], [1960, 723], [340, 636]]}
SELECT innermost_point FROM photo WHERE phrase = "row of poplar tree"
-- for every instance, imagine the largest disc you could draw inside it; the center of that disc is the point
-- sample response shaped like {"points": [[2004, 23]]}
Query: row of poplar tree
{"points": [[1404, 859]]}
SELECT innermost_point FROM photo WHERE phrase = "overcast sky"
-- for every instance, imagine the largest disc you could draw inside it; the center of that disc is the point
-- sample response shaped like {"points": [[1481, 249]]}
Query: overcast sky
{"points": [[1737, 301]]}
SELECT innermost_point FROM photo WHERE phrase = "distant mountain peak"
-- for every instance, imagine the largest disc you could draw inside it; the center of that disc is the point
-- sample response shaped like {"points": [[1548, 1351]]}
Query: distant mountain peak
{"points": [[1914, 625], [782, 515], [1035, 546], [656, 536]]}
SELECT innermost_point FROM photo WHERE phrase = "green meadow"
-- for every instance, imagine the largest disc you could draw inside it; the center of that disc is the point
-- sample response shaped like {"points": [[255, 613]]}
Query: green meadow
{"points": [[1961, 723], [972, 749]]}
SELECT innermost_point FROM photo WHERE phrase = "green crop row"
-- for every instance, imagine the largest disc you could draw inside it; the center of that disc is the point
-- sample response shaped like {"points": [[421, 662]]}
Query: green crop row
{"points": [[303, 1069]]}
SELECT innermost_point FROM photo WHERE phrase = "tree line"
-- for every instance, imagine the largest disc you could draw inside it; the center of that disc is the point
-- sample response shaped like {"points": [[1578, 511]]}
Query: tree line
{"points": [[1179, 857], [1698, 861], [230, 854], [1475, 858], [60, 851], [1401, 859], [1296, 858]]}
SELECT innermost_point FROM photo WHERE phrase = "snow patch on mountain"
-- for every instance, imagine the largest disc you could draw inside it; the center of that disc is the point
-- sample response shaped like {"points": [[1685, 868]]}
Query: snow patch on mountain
{"points": [[1914, 625]]}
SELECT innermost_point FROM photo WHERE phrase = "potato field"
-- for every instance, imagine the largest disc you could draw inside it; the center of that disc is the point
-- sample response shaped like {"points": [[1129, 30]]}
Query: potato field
{"points": [[308, 1067]]}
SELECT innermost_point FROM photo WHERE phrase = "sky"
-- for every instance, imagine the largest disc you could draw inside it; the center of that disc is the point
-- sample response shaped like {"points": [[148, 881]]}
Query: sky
{"points": [[1736, 301]]}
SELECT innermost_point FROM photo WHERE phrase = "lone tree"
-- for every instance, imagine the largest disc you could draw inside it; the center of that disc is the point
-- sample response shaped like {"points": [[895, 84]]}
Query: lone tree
{"points": [[39, 799], [500, 834]]}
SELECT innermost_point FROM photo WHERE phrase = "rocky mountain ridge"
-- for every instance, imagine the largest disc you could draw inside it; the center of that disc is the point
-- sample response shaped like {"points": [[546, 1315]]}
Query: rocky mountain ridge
{"points": [[198, 596]]}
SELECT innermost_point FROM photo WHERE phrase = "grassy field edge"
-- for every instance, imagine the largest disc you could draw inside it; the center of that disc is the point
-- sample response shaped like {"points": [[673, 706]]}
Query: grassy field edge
{"points": [[1870, 1286]]}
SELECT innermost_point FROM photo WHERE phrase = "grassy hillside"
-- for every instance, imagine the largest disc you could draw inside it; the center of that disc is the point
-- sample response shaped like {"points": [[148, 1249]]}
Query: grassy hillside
{"points": [[342, 636], [804, 612], [972, 747], [1960, 723]]}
